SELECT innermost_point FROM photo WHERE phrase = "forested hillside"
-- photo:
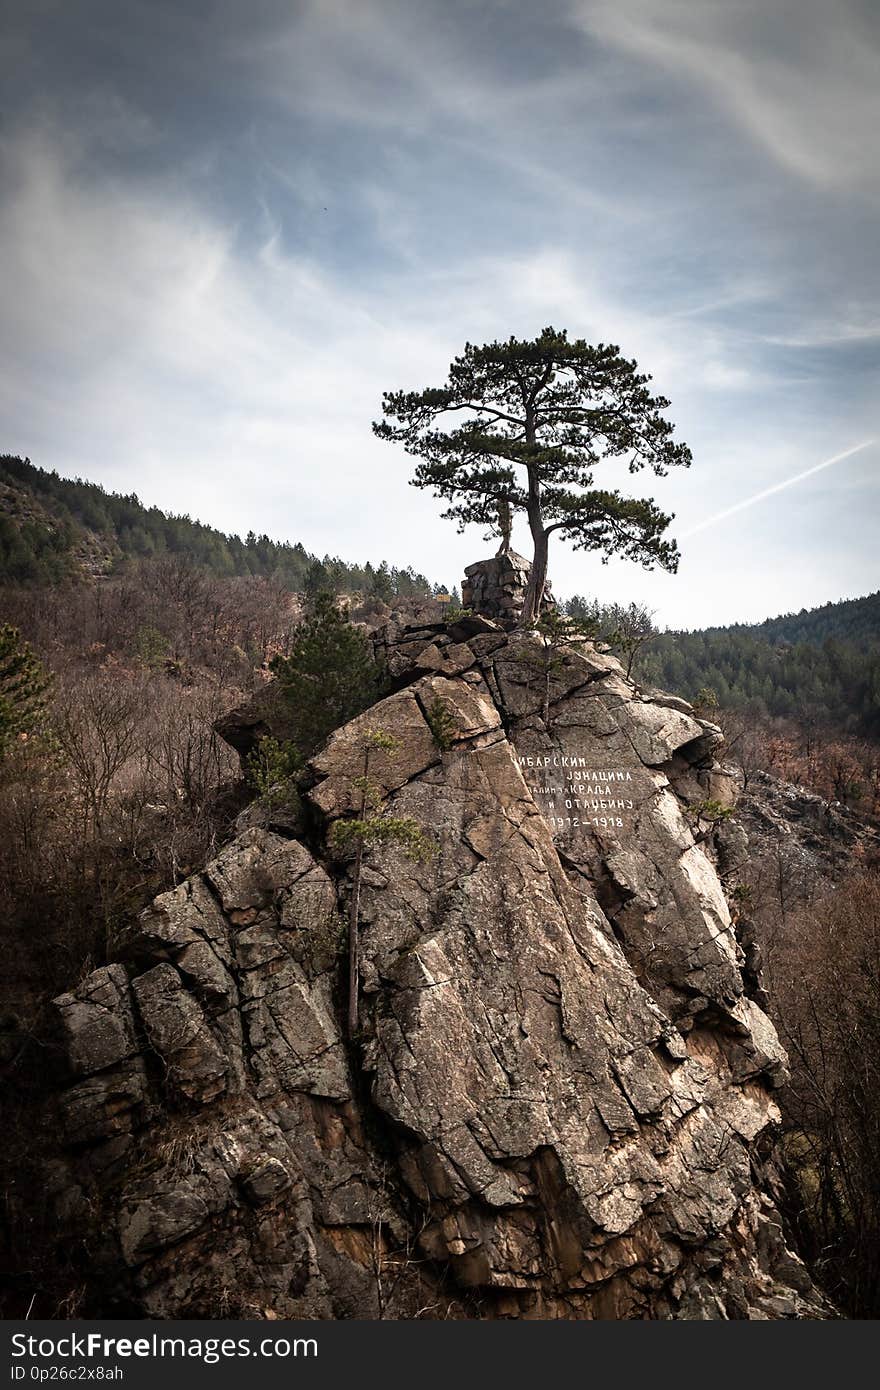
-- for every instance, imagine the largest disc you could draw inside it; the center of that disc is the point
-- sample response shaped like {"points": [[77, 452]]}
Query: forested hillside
{"points": [[54, 529], [850, 620], [824, 663]]}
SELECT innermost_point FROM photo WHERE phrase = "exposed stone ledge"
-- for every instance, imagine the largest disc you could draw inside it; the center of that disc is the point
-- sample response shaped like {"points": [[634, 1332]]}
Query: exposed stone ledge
{"points": [[561, 1093]]}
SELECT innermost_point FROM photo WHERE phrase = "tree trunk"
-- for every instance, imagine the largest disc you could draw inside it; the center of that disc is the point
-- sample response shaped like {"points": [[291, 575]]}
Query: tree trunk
{"points": [[353, 934], [546, 689], [354, 910], [538, 575]]}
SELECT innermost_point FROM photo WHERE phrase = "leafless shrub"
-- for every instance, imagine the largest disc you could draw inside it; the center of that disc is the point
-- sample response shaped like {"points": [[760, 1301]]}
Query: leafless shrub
{"points": [[826, 996]]}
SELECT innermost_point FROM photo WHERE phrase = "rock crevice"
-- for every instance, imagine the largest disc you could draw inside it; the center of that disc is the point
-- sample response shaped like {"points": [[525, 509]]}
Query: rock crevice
{"points": [[561, 1094]]}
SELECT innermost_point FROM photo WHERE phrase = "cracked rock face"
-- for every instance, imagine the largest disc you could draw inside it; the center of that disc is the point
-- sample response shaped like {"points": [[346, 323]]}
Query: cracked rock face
{"points": [[561, 1098]]}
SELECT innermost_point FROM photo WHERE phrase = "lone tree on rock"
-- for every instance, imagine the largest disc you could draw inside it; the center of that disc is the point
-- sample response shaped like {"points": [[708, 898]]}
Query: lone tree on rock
{"points": [[534, 420]]}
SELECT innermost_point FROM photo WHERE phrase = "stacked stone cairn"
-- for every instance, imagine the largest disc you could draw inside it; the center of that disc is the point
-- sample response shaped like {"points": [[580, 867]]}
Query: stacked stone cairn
{"points": [[496, 588]]}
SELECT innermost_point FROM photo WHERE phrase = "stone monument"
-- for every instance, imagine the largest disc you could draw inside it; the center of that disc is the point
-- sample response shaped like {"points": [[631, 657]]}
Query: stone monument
{"points": [[496, 587]]}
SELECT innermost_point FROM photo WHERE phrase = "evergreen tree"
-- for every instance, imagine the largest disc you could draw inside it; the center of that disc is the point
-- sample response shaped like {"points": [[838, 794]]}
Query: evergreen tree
{"points": [[330, 675], [627, 628], [585, 610], [530, 422], [316, 582], [372, 825], [382, 585], [24, 689]]}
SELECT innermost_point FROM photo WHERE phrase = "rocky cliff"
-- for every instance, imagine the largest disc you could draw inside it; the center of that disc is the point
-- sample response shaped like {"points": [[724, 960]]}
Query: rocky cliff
{"points": [[817, 840], [560, 1101]]}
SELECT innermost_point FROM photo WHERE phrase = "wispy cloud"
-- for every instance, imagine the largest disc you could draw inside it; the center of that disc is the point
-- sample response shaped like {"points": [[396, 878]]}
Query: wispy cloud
{"points": [[774, 488], [799, 78], [222, 242]]}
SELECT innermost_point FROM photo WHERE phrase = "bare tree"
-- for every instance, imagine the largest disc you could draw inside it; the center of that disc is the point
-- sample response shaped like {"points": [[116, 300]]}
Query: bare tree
{"points": [[99, 726], [628, 628], [827, 999]]}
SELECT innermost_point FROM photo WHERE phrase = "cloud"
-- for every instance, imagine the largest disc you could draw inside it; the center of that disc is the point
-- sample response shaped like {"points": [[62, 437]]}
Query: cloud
{"points": [[799, 77], [222, 243], [776, 487]]}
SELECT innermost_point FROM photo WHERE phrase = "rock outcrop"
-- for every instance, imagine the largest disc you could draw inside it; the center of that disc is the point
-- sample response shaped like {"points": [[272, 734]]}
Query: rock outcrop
{"points": [[818, 840], [497, 587], [560, 1103]]}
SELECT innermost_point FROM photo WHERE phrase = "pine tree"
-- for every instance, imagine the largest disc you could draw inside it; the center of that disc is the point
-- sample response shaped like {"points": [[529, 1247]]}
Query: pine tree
{"points": [[24, 690], [528, 423], [627, 628], [372, 825], [382, 585], [330, 675], [316, 582]]}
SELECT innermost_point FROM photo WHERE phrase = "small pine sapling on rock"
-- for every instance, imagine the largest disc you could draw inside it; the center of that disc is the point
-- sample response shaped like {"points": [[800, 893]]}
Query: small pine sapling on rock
{"points": [[441, 722], [555, 631], [354, 835]]}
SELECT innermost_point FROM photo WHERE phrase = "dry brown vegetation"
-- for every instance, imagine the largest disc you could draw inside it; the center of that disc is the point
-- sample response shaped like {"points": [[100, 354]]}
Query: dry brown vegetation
{"points": [[128, 792], [824, 984], [134, 790], [807, 751]]}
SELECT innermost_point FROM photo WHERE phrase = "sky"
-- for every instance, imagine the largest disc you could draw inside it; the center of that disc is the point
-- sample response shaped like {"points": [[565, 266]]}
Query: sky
{"points": [[226, 229]]}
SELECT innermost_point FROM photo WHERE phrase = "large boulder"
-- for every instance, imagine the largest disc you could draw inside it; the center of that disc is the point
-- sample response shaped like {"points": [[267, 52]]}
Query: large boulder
{"points": [[560, 1098]]}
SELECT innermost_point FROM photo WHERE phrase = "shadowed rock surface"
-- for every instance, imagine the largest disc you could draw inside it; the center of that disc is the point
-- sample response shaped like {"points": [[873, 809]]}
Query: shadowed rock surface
{"points": [[560, 1104], [819, 839], [496, 587]]}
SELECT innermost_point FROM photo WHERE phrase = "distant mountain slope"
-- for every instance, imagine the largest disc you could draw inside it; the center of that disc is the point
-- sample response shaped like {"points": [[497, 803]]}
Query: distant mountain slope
{"points": [[36, 544], [823, 663], [849, 620], [54, 528]]}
